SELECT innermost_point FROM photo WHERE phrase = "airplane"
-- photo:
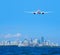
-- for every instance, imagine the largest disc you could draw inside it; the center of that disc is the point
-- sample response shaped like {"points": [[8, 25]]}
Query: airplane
{"points": [[37, 12]]}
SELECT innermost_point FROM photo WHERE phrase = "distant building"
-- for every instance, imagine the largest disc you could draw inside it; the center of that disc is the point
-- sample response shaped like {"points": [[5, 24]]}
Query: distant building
{"points": [[42, 39], [30, 43], [35, 42], [25, 42]]}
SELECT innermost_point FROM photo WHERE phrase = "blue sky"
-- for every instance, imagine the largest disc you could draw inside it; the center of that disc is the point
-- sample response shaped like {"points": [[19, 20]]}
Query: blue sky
{"points": [[13, 19]]}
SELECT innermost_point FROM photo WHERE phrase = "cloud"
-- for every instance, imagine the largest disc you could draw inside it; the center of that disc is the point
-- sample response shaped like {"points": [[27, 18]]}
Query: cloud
{"points": [[7, 36], [17, 35]]}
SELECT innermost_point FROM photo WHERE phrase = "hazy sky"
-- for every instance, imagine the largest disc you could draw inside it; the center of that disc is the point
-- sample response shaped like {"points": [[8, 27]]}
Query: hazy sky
{"points": [[15, 23]]}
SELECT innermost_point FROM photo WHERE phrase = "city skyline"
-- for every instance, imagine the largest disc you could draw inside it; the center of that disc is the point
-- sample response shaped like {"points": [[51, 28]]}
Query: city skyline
{"points": [[16, 24], [32, 43]]}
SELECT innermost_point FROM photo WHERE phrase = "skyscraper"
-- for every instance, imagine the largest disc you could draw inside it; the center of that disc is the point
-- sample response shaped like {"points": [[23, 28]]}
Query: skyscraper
{"points": [[42, 39]]}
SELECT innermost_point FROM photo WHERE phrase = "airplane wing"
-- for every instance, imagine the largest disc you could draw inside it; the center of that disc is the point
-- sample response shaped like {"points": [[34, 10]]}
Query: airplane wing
{"points": [[28, 12], [47, 12]]}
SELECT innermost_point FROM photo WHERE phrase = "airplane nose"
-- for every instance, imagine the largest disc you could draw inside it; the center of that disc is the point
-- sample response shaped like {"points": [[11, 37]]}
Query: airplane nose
{"points": [[38, 13]]}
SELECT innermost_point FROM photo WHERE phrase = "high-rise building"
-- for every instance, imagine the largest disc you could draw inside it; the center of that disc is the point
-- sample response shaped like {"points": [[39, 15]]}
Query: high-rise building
{"points": [[42, 39]]}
